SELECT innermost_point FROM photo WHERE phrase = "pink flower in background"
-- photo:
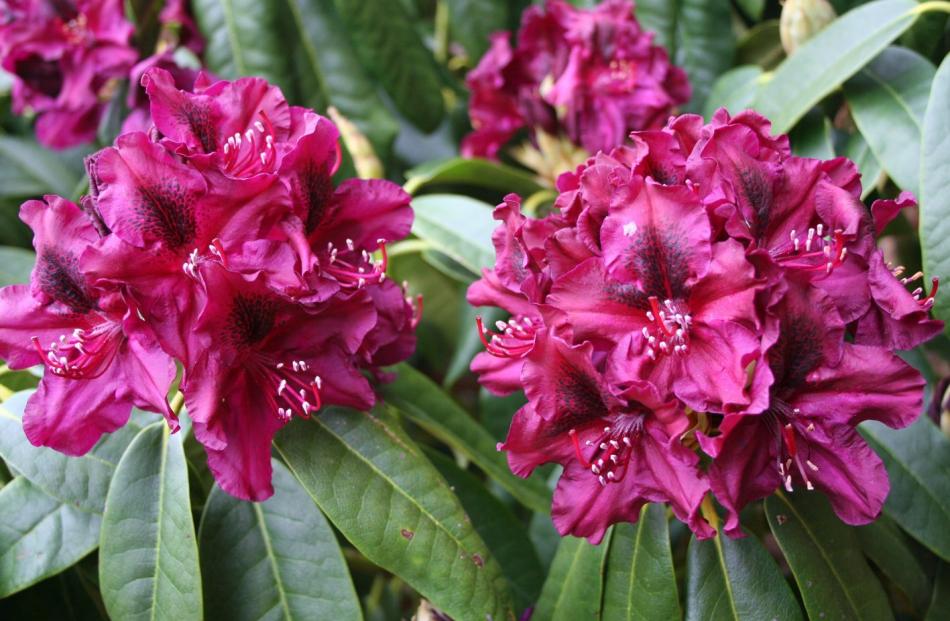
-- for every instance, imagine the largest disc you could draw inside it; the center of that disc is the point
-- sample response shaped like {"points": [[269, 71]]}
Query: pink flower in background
{"points": [[727, 296], [592, 75], [66, 57]]}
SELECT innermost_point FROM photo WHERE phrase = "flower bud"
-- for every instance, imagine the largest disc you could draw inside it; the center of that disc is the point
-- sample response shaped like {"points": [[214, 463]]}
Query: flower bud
{"points": [[803, 19]]}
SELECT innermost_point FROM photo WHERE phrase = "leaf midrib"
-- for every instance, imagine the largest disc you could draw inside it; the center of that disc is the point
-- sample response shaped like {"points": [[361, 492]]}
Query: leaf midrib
{"points": [[272, 557], [161, 513], [824, 555]]}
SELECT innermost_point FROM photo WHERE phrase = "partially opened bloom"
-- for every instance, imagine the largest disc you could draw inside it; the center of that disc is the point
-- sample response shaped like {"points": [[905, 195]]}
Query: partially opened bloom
{"points": [[726, 290], [101, 357], [591, 75], [66, 57]]}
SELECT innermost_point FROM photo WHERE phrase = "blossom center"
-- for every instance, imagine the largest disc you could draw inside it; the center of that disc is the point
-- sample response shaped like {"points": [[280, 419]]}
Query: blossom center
{"points": [[291, 389], [514, 339], [253, 151], [608, 455], [813, 251], [791, 452], [668, 331], [84, 353], [354, 269]]}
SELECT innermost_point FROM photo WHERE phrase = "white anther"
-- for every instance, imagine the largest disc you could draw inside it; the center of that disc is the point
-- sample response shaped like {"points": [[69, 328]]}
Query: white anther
{"points": [[819, 229], [263, 158], [280, 365], [613, 458], [249, 134], [318, 381], [349, 244], [280, 388], [808, 485], [630, 229], [259, 126], [611, 476], [651, 353], [650, 316], [594, 469], [602, 481], [810, 427], [306, 407], [788, 483], [615, 444], [792, 235], [645, 332], [626, 441], [296, 366], [603, 446], [811, 465]]}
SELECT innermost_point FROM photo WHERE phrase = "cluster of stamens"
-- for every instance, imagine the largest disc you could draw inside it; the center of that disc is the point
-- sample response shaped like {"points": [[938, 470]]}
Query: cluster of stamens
{"points": [[190, 266], [794, 457], [82, 354], [251, 152], [356, 273], [815, 251], [925, 302], [514, 339], [610, 457], [294, 389], [667, 333]]}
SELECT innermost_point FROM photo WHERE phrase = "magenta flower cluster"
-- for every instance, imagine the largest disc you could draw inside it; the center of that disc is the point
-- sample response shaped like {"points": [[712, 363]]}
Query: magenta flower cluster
{"points": [[217, 240], [702, 290], [67, 56], [592, 75]]}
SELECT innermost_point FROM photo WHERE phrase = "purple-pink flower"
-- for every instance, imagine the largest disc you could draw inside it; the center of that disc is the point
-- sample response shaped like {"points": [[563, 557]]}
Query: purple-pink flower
{"points": [[702, 289], [592, 75], [218, 239]]}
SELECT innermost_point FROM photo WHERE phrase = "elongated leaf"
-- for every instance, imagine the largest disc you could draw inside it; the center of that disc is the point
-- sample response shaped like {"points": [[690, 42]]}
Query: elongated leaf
{"points": [[831, 57], [330, 72], [940, 599], [917, 460], [475, 172], [761, 46], [504, 535], [575, 583], [888, 100], [29, 170], [734, 90], [458, 226], [472, 21], [697, 34], [39, 535], [640, 583], [735, 579], [79, 481], [15, 265], [826, 559], [812, 137], [935, 187], [858, 151], [148, 557], [419, 398], [390, 46], [890, 550], [388, 500], [280, 555], [243, 38]]}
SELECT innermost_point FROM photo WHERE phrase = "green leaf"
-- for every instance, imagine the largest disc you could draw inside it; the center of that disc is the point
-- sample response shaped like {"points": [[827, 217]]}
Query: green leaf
{"points": [[826, 559], [504, 535], [468, 343], [244, 38], [735, 579], [280, 555], [40, 536], [734, 90], [448, 266], [472, 22], [888, 100], [472, 172], [935, 188], [835, 54], [427, 405], [812, 137], [940, 600], [917, 460], [575, 583], [388, 500], [15, 265], [890, 550], [330, 73], [858, 151], [148, 556], [457, 226], [29, 170], [79, 481], [390, 46], [761, 46], [640, 583], [697, 34]]}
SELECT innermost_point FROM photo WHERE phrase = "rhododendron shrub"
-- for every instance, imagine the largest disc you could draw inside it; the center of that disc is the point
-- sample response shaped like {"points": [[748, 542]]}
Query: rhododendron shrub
{"points": [[218, 241], [588, 75], [702, 292]]}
